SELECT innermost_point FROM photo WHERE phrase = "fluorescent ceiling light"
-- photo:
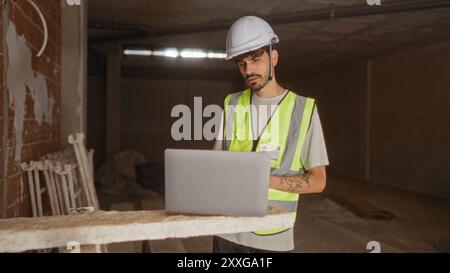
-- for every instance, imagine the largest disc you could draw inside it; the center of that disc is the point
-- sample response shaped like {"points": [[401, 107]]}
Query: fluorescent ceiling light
{"points": [[188, 53], [174, 53], [171, 52], [213, 55], [136, 52]]}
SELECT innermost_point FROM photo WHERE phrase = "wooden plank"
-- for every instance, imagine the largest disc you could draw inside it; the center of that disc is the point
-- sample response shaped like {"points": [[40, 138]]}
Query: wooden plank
{"points": [[105, 227], [124, 247]]}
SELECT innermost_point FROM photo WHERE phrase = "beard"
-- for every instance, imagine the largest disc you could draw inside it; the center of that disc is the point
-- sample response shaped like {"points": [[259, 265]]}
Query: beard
{"points": [[257, 86]]}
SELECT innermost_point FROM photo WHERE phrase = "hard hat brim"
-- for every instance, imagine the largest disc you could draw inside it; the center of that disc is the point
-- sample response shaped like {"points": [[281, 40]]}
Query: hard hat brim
{"points": [[244, 51]]}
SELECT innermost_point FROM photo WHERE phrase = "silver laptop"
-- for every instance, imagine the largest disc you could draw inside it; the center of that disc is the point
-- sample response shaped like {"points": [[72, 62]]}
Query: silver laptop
{"points": [[208, 182]]}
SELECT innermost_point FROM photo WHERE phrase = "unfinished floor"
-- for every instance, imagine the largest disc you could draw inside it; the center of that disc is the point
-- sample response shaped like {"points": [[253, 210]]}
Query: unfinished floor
{"points": [[345, 218]]}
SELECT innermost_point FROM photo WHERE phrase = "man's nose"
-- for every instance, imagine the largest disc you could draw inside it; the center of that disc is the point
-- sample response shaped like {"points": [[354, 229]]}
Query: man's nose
{"points": [[249, 68]]}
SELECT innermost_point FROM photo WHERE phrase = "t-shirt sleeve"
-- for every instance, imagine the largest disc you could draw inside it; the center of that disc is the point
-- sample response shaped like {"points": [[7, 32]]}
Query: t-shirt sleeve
{"points": [[314, 151]]}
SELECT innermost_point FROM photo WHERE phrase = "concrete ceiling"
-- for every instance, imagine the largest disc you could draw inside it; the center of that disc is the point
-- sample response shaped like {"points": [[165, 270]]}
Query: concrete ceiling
{"points": [[306, 44]]}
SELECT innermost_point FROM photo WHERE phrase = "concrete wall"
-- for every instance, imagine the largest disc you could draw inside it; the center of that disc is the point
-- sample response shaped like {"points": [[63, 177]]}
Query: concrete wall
{"points": [[150, 89], [31, 90], [411, 116], [96, 127], [3, 119], [387, 120], [73, 72], [147, 106], [384, 119], [96, 107], [340, 100]]}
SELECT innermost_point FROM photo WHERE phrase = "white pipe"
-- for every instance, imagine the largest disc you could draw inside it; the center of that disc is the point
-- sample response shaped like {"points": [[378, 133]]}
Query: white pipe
{"points": [[68, 171], [77, 140], [37, 189], [28, 168], [51, 187], [44, 23], [65, 189], [79, 197], [43, 166], [56, 186]]}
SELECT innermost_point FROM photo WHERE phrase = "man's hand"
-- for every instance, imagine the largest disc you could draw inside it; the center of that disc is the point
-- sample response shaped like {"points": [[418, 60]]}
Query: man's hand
{"points": [[312, 181]]}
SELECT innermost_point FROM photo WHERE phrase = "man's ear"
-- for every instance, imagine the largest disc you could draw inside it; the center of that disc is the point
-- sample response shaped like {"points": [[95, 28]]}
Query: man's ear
{"points": [[274, 57]]}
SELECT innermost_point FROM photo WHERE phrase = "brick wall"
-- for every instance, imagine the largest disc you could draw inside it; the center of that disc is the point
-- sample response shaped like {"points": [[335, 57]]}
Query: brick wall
{"points": [[40, 135], [2, 87]]}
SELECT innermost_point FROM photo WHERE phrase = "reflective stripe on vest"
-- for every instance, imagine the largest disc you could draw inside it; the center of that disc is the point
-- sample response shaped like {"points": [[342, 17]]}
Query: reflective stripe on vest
{"points": [[287, 129]]}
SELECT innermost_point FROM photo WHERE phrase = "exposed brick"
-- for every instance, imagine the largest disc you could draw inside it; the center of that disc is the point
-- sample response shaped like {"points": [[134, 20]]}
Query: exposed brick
{"points": [[14, 187], [39, 133], [35, 132], [1, 103], [13, 167], [10, 131], [18, 18], [22, 209], [33, 151], [1, 68], [1, 35], [37, 140], [20, 192], [25, 7], [34, 35], [53, 32], [10, 108]]}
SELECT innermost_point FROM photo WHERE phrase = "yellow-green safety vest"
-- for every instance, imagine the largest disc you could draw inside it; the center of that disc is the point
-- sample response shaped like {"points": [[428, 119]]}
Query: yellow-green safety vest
{"points": [[285, 130]]}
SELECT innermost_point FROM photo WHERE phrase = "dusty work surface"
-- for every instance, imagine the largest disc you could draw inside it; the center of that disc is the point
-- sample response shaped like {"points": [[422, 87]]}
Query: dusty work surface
{"points": [[21, 234]]}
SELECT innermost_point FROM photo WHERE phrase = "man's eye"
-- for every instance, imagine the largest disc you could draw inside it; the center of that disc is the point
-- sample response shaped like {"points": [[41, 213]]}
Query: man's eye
{"points": [[256, 60]]}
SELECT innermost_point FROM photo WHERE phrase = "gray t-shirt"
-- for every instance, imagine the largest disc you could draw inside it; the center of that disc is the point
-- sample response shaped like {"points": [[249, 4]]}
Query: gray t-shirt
{"points": [[313, 154]]}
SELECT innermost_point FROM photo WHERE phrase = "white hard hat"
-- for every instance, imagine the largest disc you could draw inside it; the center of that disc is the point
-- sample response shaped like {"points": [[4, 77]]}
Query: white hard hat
{"points": [[247, 34]]}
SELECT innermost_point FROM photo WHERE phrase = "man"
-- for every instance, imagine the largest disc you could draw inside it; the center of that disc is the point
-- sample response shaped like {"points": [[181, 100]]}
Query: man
{"points": [[290, 130]]}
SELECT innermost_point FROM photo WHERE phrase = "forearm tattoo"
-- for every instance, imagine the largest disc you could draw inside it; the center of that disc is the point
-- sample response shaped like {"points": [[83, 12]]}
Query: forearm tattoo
{"points": [[295, 183]]}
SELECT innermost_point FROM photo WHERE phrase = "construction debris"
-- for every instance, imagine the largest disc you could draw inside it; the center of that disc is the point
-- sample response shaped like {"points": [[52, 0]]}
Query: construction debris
{"points": [[118, 175], [34, 188], [68, 179], [85, 166]]}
